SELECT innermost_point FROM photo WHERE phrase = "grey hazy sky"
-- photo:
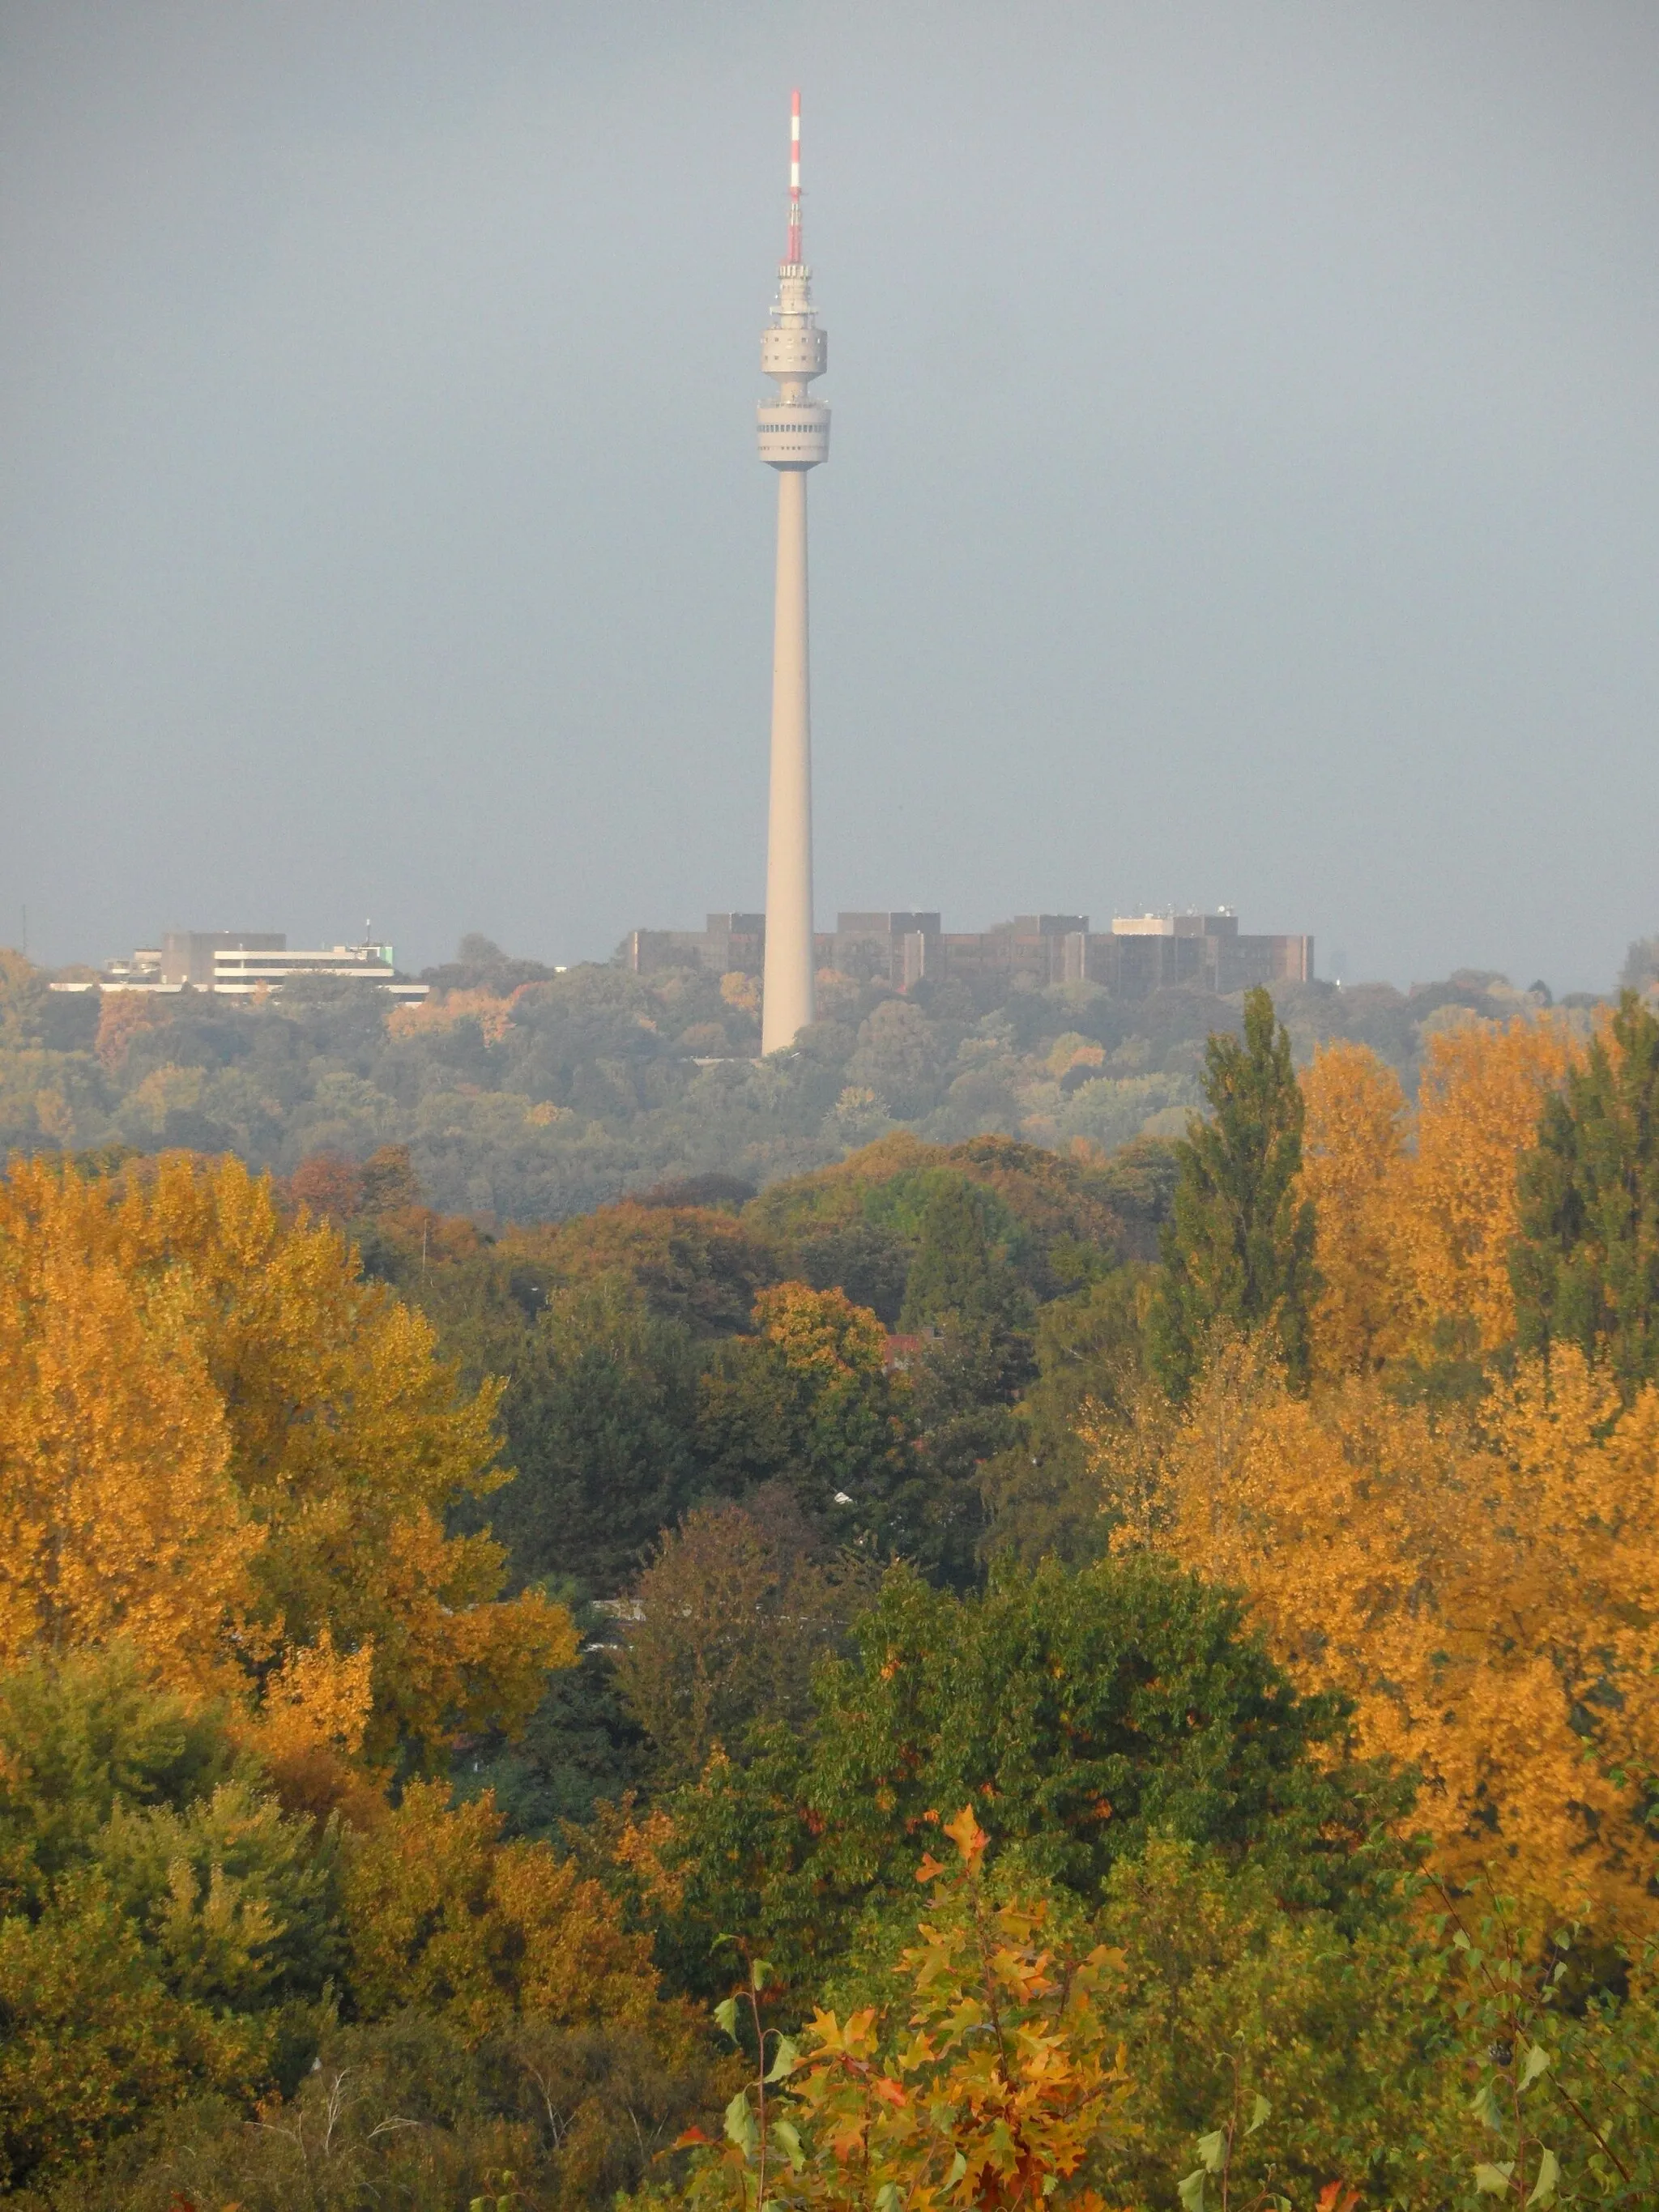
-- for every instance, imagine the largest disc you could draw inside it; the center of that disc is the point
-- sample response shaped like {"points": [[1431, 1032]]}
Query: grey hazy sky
{"points": [[1245, 485]]}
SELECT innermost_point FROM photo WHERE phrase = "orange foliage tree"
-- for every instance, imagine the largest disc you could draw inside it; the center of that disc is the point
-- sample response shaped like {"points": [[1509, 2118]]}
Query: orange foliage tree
{"points": [[219, 1443], [1484, 1584], [993, 2087], [121, 1016]]}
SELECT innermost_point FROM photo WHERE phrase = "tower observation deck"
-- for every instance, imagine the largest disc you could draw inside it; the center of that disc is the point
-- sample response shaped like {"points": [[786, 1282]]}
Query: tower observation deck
{"points": [[794, 436]]}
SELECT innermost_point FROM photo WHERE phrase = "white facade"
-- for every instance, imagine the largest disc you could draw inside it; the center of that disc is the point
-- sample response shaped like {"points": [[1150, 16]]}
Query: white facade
{"points": [[238, 970]]}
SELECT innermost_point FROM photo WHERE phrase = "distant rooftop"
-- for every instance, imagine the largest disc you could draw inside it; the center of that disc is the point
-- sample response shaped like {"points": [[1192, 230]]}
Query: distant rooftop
{"points": [[237, 963]]}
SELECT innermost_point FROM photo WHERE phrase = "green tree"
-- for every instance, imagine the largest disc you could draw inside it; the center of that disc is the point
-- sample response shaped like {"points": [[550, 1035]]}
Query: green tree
{"points": [[1088, 1712], [600, 1417], [1042, 1497], [808, 1400], [579, 1750], [964, 1293], [1585, 1266], [959, 1270], [164, 1926], [1239, 1252], [1641, 966]]}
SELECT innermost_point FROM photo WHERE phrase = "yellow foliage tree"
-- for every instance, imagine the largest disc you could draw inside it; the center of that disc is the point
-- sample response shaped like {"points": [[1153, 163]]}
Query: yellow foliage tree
{"points": [[1485, 1584], [1415, 1212], [493, 1014], [118, 1518], [1353, 1147], [444, 1916], [1482, 1089], [219, 1441]]}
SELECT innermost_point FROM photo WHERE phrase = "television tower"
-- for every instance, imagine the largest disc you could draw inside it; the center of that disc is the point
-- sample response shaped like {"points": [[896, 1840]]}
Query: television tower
{"points": [[794, 436]]}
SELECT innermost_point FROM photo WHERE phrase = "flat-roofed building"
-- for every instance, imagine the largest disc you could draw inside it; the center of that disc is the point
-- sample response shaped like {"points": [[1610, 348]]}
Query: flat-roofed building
{"points": [[728, 944], [1034, 948], [188, 955], [885, 945], [238, 970], [1156, 951], [237, 963], [1141, 952]]}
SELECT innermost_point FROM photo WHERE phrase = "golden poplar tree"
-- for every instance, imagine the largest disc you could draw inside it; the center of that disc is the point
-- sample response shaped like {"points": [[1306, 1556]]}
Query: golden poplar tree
{"points": [[1353, 1148], [1482, 1089]]}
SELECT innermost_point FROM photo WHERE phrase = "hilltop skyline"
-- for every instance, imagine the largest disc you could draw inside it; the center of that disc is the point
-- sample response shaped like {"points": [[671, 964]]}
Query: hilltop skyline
{"points": [[1247, 495]]}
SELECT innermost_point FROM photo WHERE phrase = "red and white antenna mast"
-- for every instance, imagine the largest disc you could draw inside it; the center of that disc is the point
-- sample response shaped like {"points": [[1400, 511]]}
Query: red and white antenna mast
{"points": [[794, 181]]}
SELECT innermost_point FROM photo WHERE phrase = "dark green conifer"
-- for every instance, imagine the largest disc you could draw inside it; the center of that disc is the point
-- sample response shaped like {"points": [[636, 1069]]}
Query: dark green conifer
{"points": [[1585, 1266], [1239, 1252]]}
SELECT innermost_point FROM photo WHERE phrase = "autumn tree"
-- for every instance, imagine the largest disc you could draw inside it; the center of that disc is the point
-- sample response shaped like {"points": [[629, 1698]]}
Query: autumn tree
{"points": [[1482, 1089], [444, 1913], [1484, 1584], [523, 1958], [1416, 1212], [1238, 1251], [121, 1016], [996, 2078], [327, 1185], [118, 1518], [1585, 1266], [220, 1444], [388, 1181], [1189, 2041], [1353, 1150]]}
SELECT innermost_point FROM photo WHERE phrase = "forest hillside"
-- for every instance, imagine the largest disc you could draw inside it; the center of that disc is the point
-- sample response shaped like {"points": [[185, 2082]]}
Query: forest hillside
{"points": [[977, 1673], [526, 1094]]}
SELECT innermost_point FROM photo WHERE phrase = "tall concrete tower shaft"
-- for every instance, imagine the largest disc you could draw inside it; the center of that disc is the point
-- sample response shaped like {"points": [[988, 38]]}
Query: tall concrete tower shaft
{"points": [[794, 436]]}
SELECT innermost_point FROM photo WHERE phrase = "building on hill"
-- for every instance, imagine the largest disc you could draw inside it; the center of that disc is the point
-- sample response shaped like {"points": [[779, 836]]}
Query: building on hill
{"points": [[191, 955], [1139, 953], [731, 942], [236, 963], [1151, 952], [241, 969]]}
